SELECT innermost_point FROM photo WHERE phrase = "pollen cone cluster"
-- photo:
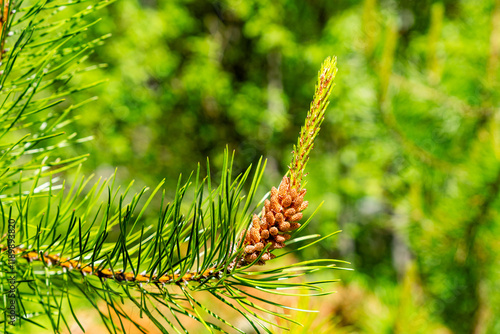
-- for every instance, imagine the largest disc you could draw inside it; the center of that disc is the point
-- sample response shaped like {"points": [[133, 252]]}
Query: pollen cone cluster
{"points": [[279, 217], [3, 21]]}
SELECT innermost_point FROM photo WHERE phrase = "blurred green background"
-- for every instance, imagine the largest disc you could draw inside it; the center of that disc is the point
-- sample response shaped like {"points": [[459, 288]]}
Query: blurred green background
{"points": [[407, 162]]}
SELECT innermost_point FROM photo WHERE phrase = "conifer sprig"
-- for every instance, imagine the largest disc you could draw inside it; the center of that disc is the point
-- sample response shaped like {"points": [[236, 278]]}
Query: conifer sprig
{"points": [[193, 249], [45, 48], [95, 242], [313, 122], [281, 213]]}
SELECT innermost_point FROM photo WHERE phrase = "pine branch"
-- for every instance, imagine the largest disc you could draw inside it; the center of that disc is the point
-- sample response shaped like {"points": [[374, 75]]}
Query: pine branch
{"points": [[280, 214], [97, 242], [195, 251]]}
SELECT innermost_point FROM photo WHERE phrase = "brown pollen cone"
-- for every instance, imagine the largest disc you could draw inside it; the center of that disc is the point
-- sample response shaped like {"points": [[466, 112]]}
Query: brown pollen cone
{"points": [[4, 15], [279, 217]]}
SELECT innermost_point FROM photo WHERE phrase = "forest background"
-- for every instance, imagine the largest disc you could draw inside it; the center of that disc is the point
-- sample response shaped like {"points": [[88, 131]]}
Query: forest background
{"points": [[407, 162]]}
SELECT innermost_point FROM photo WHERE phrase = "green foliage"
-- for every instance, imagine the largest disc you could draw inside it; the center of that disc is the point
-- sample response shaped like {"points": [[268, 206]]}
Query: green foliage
{"points": [[45, 51], [407, 164], [408, 161]]}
